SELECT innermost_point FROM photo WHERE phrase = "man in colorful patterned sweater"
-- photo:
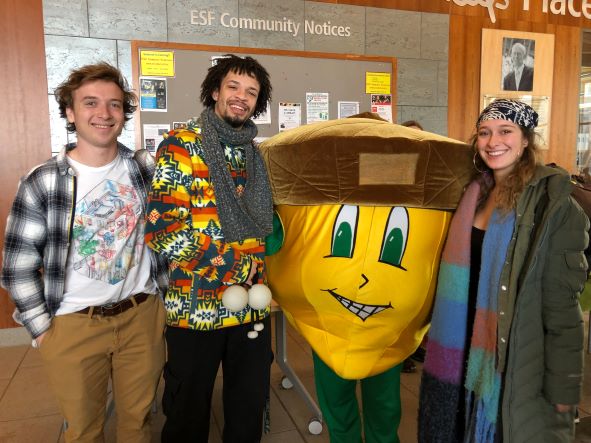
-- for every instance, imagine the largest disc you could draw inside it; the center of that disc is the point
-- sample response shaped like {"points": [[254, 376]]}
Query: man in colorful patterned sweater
{"points": [[210, 208], [75, 263]]}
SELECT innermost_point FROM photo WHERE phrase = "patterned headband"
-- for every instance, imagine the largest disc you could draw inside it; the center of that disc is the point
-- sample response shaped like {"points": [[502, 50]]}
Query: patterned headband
{"points": [[512, 110]]}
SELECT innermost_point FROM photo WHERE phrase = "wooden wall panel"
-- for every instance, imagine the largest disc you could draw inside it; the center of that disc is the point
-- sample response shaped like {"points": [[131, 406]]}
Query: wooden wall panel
{"points": [[464, 75], [441, 6], [491, 74], [466, 24], [464, 82], [565, 103], [24, 126], [514, 12]]}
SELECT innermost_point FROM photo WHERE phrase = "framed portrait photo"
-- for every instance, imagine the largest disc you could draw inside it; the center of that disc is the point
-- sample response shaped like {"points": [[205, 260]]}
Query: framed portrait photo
{"points": [[516, 62], [518, 65]]}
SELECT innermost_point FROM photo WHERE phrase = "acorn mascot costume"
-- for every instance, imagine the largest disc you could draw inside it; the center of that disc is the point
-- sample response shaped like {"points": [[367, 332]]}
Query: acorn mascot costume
{"points": [[362, 211]]}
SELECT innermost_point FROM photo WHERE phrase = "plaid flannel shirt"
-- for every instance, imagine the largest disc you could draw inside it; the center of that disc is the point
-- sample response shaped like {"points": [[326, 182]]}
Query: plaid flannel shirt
{"points": [[37, 237]]}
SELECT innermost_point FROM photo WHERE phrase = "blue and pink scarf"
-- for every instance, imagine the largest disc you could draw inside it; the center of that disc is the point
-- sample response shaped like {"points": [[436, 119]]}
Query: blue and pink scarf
{"points": [[445, 377]]}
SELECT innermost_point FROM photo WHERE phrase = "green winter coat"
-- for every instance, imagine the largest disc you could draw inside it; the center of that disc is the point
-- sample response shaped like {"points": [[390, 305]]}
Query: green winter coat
{"points": [[540, 328]]}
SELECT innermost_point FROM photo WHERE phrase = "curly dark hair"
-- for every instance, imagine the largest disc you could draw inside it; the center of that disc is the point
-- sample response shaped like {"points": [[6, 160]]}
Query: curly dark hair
{"points": [[237, 65], [64, 93]]}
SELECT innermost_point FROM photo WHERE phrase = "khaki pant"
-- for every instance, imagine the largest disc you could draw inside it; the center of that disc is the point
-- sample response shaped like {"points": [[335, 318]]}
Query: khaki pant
{"points": [[81, 353]]}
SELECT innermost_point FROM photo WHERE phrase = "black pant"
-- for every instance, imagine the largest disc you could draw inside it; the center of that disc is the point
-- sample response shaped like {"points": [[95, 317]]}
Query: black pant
{"points": [[193, 361]]}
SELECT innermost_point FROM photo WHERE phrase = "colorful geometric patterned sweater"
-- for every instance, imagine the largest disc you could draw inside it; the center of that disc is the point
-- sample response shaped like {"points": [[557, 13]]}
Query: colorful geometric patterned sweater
{"points": [[183, 225]]}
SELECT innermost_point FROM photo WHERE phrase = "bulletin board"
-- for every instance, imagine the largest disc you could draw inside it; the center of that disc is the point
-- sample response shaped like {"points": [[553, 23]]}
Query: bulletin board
{"points": [[293, 74]]}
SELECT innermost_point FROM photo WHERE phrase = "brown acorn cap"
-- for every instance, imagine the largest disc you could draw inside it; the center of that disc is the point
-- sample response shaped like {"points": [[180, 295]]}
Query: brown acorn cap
{"points": [[361, 161]]}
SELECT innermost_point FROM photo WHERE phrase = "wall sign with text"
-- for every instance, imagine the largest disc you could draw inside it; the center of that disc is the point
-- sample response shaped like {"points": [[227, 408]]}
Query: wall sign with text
{"points": [[206, 17], [575, 8]]}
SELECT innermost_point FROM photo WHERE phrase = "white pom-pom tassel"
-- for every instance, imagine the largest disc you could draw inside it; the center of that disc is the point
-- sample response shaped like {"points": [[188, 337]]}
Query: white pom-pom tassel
{"points": [[259, 296], [252, 334], [259, 327], [235, 298]]}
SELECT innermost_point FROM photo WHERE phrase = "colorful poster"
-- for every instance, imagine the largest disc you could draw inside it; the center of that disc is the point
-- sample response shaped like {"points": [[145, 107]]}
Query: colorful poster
{"points": [[153, 94], [153, 135], [316, 107], [381, 104], [157, 63], [378, 83], [290, 116]]}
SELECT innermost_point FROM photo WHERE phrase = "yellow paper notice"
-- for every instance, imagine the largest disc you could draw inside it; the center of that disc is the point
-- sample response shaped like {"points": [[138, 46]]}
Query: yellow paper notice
{"points": [[157, 63], [377, 82]]}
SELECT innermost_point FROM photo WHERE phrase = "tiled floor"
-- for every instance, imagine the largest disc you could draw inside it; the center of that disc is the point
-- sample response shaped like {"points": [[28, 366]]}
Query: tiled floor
{"points": [[28, 412]]}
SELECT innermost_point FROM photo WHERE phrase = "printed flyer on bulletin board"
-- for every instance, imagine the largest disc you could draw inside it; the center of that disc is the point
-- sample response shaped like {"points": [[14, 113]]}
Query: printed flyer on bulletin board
{"points": [[153, 95]]}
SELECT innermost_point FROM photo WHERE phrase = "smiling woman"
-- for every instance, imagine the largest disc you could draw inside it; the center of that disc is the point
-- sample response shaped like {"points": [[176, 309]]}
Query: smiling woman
{"points": [[505, 352], [500, 144]]}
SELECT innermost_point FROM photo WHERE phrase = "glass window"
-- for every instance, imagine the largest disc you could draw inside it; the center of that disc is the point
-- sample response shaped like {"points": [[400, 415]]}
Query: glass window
{"points": [[584, 135]]}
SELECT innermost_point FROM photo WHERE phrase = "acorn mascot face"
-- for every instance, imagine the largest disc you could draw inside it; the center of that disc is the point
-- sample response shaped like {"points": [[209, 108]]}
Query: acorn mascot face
{"points": [[356, 277]]}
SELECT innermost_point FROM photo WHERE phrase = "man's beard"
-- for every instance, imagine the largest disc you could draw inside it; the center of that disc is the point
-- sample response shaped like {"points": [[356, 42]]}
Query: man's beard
{"points": [[235, 122]]}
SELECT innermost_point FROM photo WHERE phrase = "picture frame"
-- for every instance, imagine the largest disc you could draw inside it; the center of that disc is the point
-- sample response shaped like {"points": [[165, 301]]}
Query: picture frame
{"points": [[519, 65]]}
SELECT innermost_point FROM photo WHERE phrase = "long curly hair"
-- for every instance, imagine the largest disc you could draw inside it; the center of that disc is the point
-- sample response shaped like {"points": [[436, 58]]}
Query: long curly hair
{"points": [[237, 65], [64, 93], [520, 175]]}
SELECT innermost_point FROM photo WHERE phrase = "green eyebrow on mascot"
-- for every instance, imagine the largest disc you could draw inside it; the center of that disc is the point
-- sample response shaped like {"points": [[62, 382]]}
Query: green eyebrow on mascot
{"points": [[363, 208]]}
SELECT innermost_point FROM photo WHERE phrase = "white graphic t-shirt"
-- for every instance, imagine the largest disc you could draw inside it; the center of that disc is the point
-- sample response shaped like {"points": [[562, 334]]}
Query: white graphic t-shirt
{"points": [[107, 260]]}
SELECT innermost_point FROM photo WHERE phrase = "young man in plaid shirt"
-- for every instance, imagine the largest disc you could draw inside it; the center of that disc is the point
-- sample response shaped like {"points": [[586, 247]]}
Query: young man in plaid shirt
{"points": [[75, 264]]}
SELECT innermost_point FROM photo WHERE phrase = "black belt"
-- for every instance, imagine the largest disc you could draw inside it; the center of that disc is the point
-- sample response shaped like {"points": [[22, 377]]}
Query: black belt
{"points": [[112, 309]]}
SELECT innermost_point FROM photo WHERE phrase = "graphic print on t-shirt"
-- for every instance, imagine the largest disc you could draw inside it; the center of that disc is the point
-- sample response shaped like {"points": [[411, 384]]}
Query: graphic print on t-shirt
{"points": [[106, 243]]}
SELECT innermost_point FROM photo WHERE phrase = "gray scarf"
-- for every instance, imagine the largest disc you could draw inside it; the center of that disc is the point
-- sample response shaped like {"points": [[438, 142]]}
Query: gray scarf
{"points": [[249, 215]]}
